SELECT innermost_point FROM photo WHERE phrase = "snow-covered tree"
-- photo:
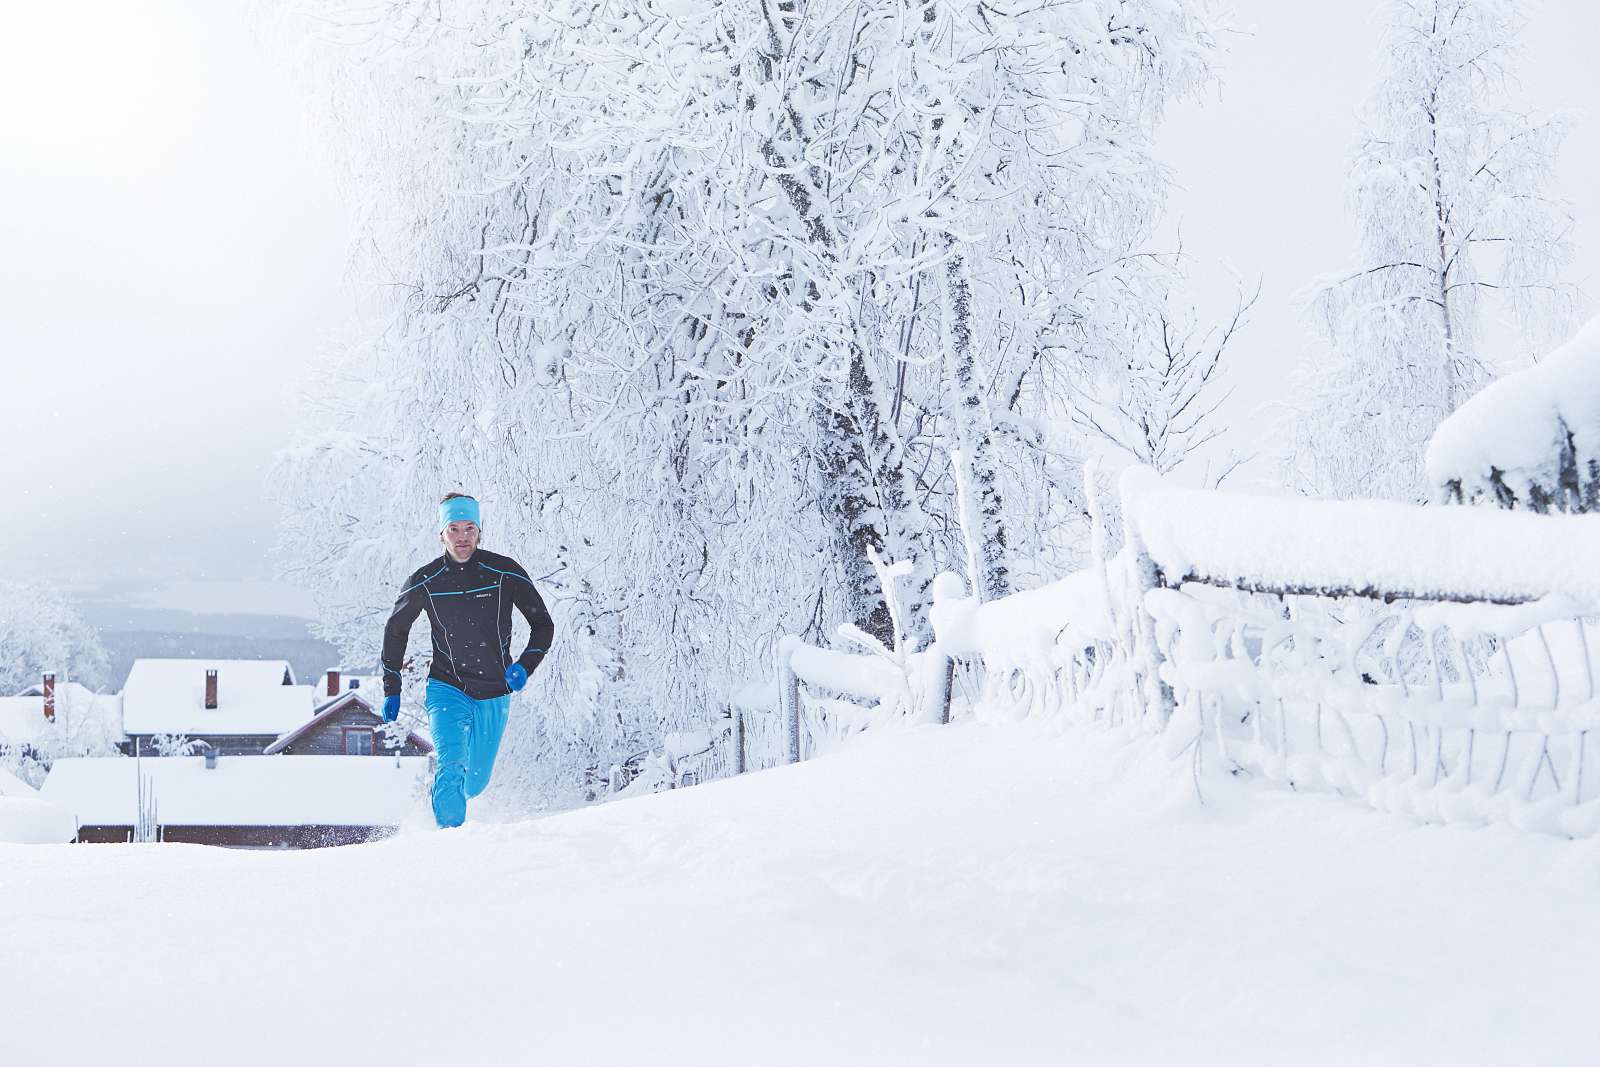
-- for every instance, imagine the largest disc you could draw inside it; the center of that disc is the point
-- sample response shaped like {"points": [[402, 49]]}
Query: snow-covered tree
{"points": [[1160, 408], [41, 630], [1450, 189], [705, 300]]}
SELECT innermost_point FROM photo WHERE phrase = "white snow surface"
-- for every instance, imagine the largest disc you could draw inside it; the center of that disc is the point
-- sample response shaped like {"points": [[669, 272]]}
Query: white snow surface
{"points": [[1071, 610], [865, 676], [167, 696], [31, 821], [12, 786], [27, 820], [1443, 552], [1517, 423], [958, 895], [240, 790], [22, 720]]}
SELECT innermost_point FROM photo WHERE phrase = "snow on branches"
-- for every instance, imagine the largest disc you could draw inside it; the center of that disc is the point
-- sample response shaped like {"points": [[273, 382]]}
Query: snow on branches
{"points": [[1450, 193], [707, 301]]}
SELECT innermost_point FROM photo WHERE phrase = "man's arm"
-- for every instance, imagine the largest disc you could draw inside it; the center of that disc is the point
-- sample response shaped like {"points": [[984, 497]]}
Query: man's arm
{"points": [[397, 630], [541, 627]]}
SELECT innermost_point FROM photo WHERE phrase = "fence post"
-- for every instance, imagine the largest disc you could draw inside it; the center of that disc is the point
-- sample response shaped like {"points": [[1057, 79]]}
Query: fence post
{"points": [[1157, 693], [738, 740], [947, 683], [1153, 692], [789, 695], [949, 595]]}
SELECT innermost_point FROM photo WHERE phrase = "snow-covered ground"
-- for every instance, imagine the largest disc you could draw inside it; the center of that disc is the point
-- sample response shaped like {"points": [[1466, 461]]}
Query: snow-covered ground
{"points": [[941, 895]]}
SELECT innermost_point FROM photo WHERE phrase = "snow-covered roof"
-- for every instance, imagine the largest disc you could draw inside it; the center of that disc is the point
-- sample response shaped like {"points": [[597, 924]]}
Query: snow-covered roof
{"points": [[1518, 426], [22, 720], [167, 696], [80, 713], [327, 710], [365, 683], [240, 790]]}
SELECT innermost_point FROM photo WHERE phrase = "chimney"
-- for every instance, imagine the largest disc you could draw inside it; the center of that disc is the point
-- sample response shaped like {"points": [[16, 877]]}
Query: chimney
{"points": [[211, 688], [333, 682], [50, 696]]}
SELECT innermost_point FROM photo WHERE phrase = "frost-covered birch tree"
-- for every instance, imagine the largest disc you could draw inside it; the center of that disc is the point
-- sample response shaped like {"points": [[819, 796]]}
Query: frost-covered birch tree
{"points": [[1451, 192]]}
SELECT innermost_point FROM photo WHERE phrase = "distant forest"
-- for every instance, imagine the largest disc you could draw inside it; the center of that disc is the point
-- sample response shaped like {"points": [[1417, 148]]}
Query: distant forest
{"points": [[128, 634]]}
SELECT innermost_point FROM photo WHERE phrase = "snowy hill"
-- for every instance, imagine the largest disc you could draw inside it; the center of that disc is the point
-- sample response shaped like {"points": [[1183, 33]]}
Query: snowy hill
{"points": [[955, 895]]}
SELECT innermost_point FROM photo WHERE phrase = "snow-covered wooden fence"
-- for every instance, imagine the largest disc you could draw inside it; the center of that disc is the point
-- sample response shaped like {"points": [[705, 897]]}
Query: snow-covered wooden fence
{"points": [[823, 696], [820, 697], [1439, 661]]}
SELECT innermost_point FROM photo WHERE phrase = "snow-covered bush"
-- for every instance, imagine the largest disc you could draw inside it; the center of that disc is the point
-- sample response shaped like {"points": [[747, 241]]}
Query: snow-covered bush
{"points": [[176, 745], [1530, 440]]}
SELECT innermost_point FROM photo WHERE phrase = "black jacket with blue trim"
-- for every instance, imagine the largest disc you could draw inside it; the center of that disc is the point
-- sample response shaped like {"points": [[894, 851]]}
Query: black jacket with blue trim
{"points": [[469, 606]]}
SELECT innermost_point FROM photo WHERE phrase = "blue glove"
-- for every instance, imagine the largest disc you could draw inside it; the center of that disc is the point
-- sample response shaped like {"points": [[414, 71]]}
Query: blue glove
{"points": [[391, 708], [516, 677]]}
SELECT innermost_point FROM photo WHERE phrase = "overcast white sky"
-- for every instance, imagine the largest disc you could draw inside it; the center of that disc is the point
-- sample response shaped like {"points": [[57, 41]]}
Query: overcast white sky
{"points": [[172, 249]]}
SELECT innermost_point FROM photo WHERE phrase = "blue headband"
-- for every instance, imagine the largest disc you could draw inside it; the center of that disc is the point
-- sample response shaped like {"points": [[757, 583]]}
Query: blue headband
{"points": [[458, 509]]}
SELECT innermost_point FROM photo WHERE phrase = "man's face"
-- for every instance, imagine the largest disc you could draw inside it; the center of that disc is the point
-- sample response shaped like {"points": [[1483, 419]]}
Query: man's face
{"points": [[460, 540]]}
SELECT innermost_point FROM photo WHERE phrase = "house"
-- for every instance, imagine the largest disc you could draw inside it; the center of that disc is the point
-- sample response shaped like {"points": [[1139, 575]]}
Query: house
{"points": [[236, 707], [274, 769], [240, 801], [344, 726], [252, 707], [26, 819]]}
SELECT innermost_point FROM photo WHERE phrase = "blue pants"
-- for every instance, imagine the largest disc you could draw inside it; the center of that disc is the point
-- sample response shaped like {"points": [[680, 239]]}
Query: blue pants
{"points": [[466, 736]]}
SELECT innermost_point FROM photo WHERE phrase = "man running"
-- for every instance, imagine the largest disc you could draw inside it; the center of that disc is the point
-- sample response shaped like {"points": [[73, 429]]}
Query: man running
{"points": [[468, 595]]}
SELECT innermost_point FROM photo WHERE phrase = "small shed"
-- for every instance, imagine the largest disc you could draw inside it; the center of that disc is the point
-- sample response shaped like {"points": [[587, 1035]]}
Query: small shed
{"points": [[240, 801], [345, 726]]}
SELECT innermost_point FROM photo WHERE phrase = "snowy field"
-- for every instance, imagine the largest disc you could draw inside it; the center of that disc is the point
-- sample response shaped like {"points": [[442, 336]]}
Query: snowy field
{"points": [[959, 895]]}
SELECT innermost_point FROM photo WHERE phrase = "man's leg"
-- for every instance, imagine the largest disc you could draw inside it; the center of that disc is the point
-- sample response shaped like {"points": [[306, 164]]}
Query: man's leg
{"points": [[450, 716], [488, 724]]}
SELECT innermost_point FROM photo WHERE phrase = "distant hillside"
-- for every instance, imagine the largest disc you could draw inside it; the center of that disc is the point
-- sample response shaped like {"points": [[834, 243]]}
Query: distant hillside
{"points": [[130, 633], [308, 656]]}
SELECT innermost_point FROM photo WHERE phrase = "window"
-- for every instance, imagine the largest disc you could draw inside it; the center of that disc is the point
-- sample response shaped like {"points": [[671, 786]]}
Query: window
{"points": [[357, 741]]}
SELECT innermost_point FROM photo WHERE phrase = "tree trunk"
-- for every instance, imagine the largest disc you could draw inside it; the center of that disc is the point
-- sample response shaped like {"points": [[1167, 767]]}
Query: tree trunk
{"points": [[982, 520]]}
